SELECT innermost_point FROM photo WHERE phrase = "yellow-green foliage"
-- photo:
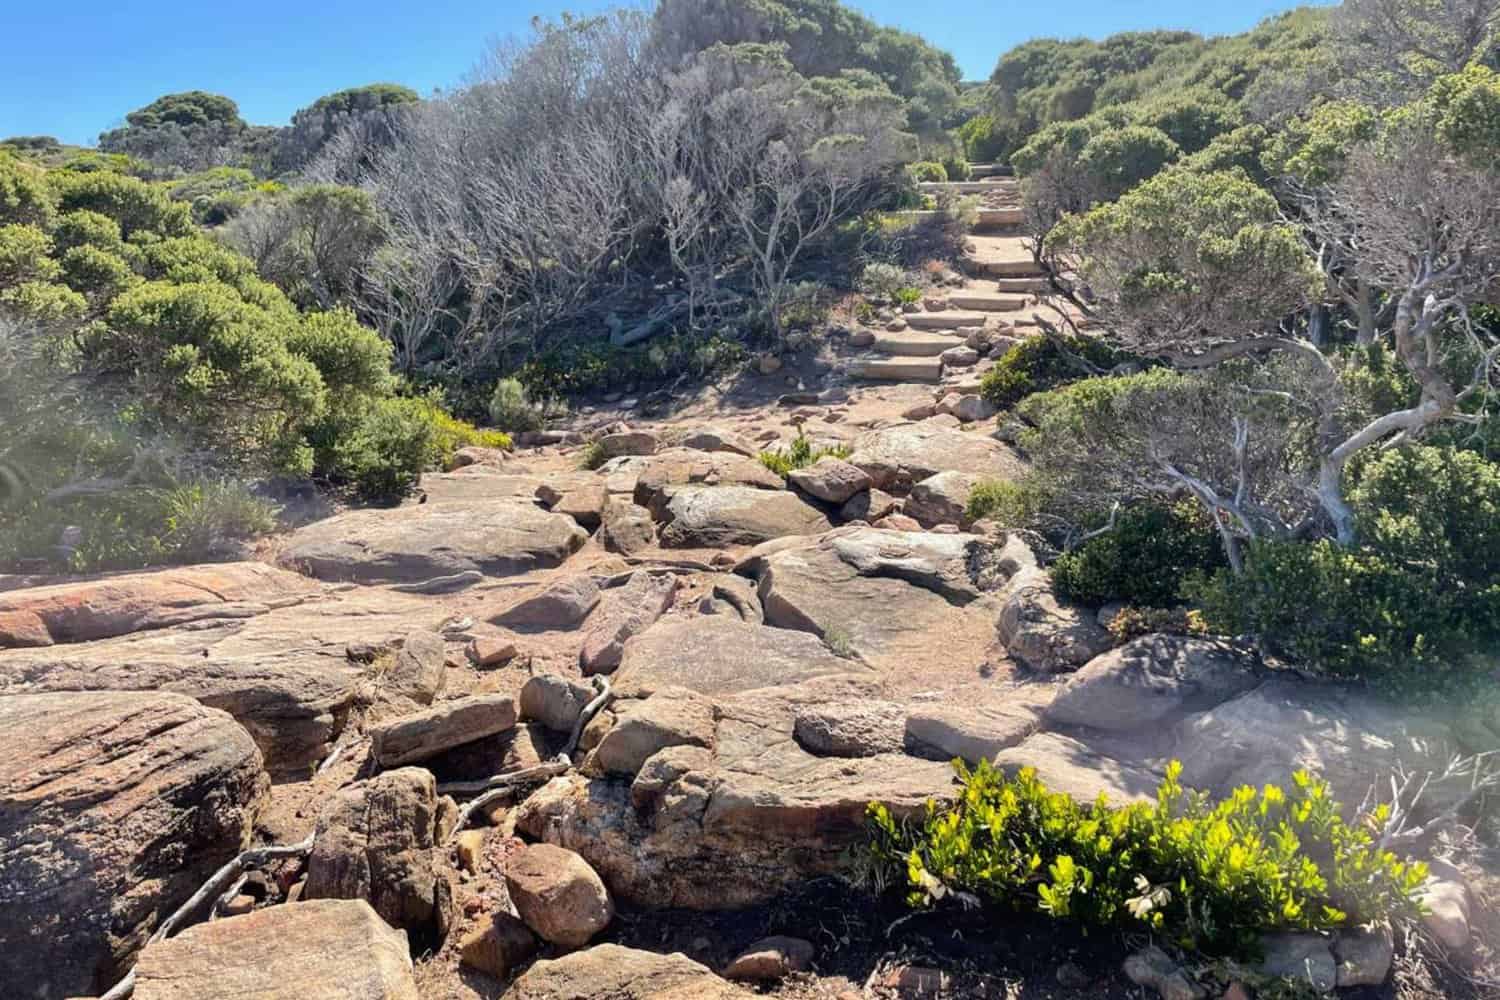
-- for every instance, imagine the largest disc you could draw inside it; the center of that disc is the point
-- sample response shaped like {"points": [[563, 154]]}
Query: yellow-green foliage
{"points": [[799, 455], [1206, 876]]}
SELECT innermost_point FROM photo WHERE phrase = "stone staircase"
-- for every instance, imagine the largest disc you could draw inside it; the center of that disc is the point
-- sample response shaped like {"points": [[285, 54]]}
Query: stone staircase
{"points": [[998, 297]]}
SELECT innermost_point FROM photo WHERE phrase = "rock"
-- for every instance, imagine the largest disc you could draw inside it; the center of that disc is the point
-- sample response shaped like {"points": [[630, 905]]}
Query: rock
{"points": [[491, 651], [921, 411], [114, 808], [1445, 901], [869, 506], [1153, 969], [612, 972], [962, 356], [85, 610], [769, 364], [558, 895], [584, 505], [941, 499], [1071, 977], [414, 738], [1045, 633], [1363, 955], [897, 522], [898, 456], [670, 717], [478, 484], [1065, 764], [970, 732], [420, 669], [497, 945], [771, 959], [973, 409], [718, 516], [563, 604], [627, 528], [719, 439], [469, 846], [830, 479], [628, 443], [316, 950], [411, 544], [734, 596], [1151, 679], [1301, 958], [896, 325], [476, 455], [658, 477], [238, 906], [518, 749], [862, 338], [375, 841], [624, 612], [718, 655], [554, 701], [862, 729], [917, 982]]}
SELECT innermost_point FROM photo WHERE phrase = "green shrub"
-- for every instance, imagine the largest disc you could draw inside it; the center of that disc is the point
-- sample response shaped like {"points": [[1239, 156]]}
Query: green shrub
{"points": [[1206, 877], [200, 518], [1009, 503], [25, 199], [881, 281], [988, 140], [1143, 560], [799, 455], [908, 296], [957, 169], [512, 409], [593, 456], [599, 366], [927, 172], [1036, 364]]}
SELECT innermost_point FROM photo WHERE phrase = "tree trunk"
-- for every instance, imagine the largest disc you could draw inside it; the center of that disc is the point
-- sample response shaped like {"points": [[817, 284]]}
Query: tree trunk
{"points": [[1365, 310]]}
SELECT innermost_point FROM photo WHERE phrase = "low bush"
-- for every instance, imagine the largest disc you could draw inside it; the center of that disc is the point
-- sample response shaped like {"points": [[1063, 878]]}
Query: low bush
{"points": [[511, 407], [598, 366], [1009, 503], [1143, 559], [927, 172], [1206, 877], [881, 281], [957, 169], [1037, 364], [799, 455]]}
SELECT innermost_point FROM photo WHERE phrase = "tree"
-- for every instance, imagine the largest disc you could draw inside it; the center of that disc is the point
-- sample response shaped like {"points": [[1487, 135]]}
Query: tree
{"points": [[373, 108], [311, 242], [1393, 50]]}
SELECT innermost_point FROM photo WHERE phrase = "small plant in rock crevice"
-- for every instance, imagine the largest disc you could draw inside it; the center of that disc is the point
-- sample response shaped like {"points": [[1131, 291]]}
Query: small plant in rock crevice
{"points": [[799, 455]]}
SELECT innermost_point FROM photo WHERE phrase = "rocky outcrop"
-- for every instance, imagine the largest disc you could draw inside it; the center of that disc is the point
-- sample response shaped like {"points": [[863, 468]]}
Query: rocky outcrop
{"points": [[375, 842], [317, 950], [1044, 632], [658, 476], [715, 655], [420, 669], [612, 972], [973, 729], [134, 602], [558, 895], [114, 808], [625, 611], [417, 737], [831, 480], [861, 729], [1068, 765], [412, 544], [897, 457], [941, 499], [720, 516]]}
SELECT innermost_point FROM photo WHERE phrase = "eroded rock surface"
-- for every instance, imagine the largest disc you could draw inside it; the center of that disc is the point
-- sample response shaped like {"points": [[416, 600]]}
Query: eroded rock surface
{"points": [[716, 655], [612, 972], [897, 457], [719, 516]]}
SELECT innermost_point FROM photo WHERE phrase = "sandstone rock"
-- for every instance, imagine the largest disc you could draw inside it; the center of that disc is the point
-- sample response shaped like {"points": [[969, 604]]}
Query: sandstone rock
{"points": [[624, 612], [862, 338], [736, 596], [830, 479], [554, 701], [970, 731], [861, 729], [612, 972], [898, 522], [323, 950], [584, 505], [669, 717], [1064, 764], [1151, 679], [627, 528], [411, 544], [718, 655], [491, 651], [941, 499], [476, 455], [114, 808], [478, 484], [1364, 956], [658, 477], [1302, 958], [1445, 900], [563, 604], [962, 356], [628, 443], [420, 668], [717, 516], [1045, 633], [720, 439], [497, 945], [770, 959], [898, 456], [118, 605], [375, 842], [415, 738], [869, 506], [1153, 969], [558, 895], [518, 749]]}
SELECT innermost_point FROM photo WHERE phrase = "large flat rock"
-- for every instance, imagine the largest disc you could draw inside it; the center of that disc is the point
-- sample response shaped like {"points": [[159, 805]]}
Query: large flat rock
{"points": [[418, 543], [314, 950], [79, 611], [720, 655], [1066, 764], [897, 457], [718, 516], [613, 972], [114, 808], [658, 475]]}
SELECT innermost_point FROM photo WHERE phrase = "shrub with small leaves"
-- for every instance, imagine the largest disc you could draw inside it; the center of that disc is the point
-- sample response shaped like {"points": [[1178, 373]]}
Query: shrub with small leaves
{"points": [[799, 455], [511, 407], [928, 172], [1143, 559], [1038, 363]]}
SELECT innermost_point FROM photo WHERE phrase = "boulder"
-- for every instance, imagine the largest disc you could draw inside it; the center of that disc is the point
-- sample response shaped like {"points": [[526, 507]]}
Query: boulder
{"points": [[670, 717], [414, 738], [625, 611], [830, 479], [971, 730], [1064, 764], [941, 499], [896, 457], [85, 610], [114, 808], [613, 972], [584, 504], [1151, 679], [477, 484], [719, 516], [316, 950], [563, 604], [628, 443], [472, 455], [736, 596], [1305, 959], [420, 668], [869, 506], [1446, 909], [1364, 956], [771, 959], [558, 895], [1154, 969], [491, 651], [858, 729], [374, 841], [719, 439], [659, 475], [1045, 633], [627, 528], [717, 655], [413, 544], [497, 945], [554, 701], [962, 356]]}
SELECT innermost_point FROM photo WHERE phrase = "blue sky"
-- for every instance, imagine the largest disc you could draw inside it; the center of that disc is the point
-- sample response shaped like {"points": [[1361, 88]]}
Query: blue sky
{"points": [[72, 68]]}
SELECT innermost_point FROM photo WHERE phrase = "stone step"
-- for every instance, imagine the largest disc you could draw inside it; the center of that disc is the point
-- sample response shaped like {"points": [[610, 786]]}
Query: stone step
{"points": [[914, 344], [978, 171], [898, 369], [1006, 268], [964, 187], [1021, 286], [986, 302], [948, 319], [1000, 218]]}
